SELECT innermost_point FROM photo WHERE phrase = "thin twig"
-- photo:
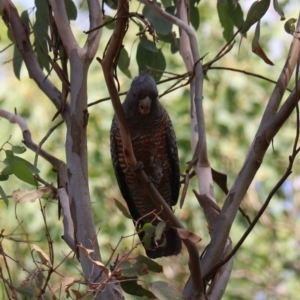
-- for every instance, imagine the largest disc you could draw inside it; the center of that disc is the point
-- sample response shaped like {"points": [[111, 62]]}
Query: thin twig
{"points": [[247, 73], [44, 139]]}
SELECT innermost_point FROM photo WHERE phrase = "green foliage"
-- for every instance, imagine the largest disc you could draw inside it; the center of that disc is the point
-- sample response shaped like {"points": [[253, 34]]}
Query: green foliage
{"points": [[17, 62], [230, 15], [123, 209], [150, 59], [159, 24], [2, 193], [123, 62], [21, 168], [71, 9], [255, 13]]}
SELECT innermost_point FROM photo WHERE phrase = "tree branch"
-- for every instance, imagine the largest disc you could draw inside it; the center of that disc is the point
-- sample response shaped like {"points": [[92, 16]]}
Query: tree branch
{"points": [[16, 119], [254, 158], [64, 28], [96, 20], [21, 38]]}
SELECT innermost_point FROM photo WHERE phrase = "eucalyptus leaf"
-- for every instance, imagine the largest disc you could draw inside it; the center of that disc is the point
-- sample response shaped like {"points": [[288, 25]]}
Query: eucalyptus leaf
{"points": [[149, 45], [122, 209], [42, 11], [154, 60], [195, 16], [26, 291], [17, 62], [160, 24], [3, 195], [255, 13], [123, 62], [19, 168], [25, 19], [71, 9], [133, 288], [225, 21], [151, 264], [6, 171]]}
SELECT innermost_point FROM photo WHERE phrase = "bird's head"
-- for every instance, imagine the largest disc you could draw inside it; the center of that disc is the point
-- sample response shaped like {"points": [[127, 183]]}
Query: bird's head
{"points": [[143, 94]]}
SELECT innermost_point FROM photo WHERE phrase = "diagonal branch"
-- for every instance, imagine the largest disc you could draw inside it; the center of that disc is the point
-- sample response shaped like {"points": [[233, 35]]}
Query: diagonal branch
{"points": [[284, 78], [16, 119]]}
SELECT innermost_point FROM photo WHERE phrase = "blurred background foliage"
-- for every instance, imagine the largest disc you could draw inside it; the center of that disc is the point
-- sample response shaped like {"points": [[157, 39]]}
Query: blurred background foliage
{"points": [[267, 265]]}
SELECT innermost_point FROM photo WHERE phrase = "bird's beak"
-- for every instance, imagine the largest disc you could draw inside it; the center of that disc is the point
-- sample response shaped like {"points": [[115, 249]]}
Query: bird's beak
{"points": [[145, 106]]}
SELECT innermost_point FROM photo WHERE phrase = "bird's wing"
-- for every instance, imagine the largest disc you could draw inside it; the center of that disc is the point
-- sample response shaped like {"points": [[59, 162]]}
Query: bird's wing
{"points": [[174, 163], [115, 154]]}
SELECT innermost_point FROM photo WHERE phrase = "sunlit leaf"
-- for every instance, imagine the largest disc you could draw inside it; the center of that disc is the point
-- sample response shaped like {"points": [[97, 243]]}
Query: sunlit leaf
{"points": [[159, 230], [255, 13], [149, 229], [19, 168], [122, 209], [30, 166], [164, 291]]}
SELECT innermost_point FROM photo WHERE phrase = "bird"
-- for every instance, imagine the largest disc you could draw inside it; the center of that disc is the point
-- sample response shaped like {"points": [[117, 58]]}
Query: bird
{"points": [[155, 147]]}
